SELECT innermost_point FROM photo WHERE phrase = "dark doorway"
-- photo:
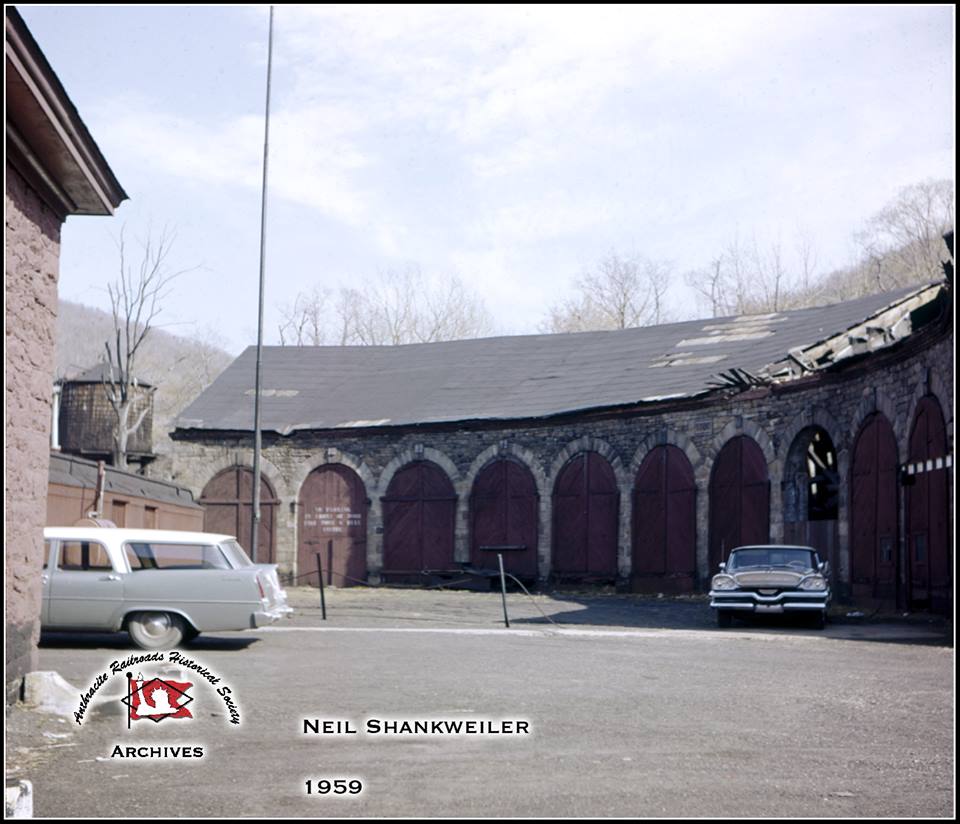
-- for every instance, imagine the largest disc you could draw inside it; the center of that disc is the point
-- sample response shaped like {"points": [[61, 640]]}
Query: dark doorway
{"points": [[419, 512], [929, 572], [811, 496], [873, 512], [739, 499], [665, 523], [333, 523], [586, 513], [504, 508], [227, 502]]}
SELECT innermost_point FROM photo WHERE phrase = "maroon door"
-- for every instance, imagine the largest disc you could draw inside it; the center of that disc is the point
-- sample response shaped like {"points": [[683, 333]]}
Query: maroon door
{"points": [[333, 522], [586, 513], [739, 499], [503, 518], [227, 503], [873, 511], [928, 507], [419, 511], [664, 523]]}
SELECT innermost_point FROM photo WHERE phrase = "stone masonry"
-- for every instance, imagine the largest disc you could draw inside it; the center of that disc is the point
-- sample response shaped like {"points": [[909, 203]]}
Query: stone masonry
{"points": [[889, 382], [32, 247]]}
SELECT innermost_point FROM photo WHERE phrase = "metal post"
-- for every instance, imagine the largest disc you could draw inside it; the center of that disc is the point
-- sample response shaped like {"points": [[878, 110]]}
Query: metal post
{"points": [[503, 591], [255, 530], [323, 600]]}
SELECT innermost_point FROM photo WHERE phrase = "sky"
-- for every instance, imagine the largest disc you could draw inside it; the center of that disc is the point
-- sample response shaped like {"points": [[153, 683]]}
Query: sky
{"points": [[511, 146]]}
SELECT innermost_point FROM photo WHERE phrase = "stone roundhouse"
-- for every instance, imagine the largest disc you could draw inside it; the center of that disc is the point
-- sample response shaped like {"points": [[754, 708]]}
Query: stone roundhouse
{"points": [[637, 457]]}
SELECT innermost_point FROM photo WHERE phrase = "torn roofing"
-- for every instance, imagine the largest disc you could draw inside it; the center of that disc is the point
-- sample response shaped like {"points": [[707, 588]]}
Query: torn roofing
{"points": [[529, 376]]}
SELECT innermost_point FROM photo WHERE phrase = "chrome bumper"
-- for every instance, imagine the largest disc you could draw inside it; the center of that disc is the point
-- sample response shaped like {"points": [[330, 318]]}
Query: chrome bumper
{"points": [[791, 601], [264, 617]]}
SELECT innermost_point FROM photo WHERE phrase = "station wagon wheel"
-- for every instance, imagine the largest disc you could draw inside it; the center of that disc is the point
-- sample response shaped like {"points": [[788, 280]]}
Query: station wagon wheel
{"points": [[156, 630]]}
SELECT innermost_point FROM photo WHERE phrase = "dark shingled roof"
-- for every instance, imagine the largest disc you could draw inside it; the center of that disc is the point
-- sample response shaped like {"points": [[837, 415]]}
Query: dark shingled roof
{"points": [[529, 376]]}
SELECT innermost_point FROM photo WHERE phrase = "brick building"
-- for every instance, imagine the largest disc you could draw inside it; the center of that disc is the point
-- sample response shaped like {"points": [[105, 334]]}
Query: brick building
{"points": [[53, 170], [638, 457]]}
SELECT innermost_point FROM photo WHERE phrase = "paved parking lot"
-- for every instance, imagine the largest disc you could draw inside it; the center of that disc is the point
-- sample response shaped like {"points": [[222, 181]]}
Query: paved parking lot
{"points": [[637, 707]]}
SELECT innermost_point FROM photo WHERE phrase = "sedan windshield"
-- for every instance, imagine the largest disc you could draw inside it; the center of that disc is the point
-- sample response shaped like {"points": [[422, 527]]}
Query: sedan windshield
{"points": [[772, 557]]}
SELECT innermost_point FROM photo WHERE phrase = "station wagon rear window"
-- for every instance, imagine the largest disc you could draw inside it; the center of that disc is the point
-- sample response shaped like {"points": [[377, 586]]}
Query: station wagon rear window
{"points": [[150, 555], [238, 557]]}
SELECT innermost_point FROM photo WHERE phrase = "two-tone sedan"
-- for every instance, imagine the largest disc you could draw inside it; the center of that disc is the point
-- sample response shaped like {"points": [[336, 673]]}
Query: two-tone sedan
{"points": [[163, 587], [771, 579]]}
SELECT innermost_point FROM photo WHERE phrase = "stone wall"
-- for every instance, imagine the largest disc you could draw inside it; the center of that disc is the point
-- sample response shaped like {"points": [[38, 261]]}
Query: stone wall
{"points": [[32, 261], [839, 402]]}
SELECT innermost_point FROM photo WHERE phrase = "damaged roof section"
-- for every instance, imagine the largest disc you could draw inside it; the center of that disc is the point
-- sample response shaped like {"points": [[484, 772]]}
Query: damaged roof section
{"points": [[890, 324], [541, 376]]}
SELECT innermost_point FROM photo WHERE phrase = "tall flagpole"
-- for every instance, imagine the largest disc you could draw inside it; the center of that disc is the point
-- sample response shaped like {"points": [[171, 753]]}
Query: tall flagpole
{"points": [[255, 530]]}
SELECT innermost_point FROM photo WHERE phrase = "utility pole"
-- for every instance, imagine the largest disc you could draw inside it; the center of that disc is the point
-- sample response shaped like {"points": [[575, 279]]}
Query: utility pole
{"points": [[257, 444]]}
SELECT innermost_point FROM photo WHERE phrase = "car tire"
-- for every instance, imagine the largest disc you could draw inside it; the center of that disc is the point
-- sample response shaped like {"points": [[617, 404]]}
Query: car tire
{"points": [[820, 620], [156, 630], [724, 619]]}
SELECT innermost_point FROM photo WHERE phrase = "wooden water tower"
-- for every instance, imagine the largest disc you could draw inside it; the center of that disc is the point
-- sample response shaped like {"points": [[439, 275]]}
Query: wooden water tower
{"points": [[86, 420]]}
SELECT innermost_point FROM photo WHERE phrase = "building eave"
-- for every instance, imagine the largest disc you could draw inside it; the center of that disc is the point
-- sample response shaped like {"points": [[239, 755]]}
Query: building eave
{"points": [[47, 142]]}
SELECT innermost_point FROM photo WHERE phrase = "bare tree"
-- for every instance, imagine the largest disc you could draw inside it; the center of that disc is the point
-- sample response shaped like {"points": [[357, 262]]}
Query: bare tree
{"points": [[136, 298], [711, 285], [618, 293], [306, 322], [393, 308], [902, 243], [806, 250]]}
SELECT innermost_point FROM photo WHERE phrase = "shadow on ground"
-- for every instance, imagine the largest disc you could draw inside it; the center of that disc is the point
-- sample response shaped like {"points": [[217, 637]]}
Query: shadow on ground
{"points": [[650, 612], [121, 640]]}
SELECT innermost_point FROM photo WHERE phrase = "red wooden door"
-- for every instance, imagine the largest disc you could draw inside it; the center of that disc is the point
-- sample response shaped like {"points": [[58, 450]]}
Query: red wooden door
{"points": [[503, 518], [227, 502], [873, 511], [928, 507], [664, 522], [739, 499], [419, 512], [333, 522], [586, 517]]}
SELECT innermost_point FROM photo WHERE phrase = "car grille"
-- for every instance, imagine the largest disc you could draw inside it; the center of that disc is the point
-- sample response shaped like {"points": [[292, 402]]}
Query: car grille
{"points": [[771, 580]]}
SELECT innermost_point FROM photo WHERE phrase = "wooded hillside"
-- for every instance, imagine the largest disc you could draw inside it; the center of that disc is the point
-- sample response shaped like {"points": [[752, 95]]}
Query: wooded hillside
{"points": [[180, 367]]}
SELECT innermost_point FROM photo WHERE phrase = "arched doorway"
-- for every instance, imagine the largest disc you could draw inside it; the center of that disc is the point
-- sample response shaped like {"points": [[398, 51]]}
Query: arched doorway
{"points": [[929, 572], [664, 523], [873, 512], [227, 502], [739, 499], [504, 509], [811, 495], [333, 523], [419, 512], [586, 517]]}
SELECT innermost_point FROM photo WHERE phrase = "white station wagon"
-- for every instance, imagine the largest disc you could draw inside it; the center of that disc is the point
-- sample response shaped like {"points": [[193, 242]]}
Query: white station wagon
{"points": [[161, 586]]}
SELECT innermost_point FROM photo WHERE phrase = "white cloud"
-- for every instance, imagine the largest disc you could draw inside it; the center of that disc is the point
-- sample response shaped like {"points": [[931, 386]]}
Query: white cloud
{"points": [[313, 155]]}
